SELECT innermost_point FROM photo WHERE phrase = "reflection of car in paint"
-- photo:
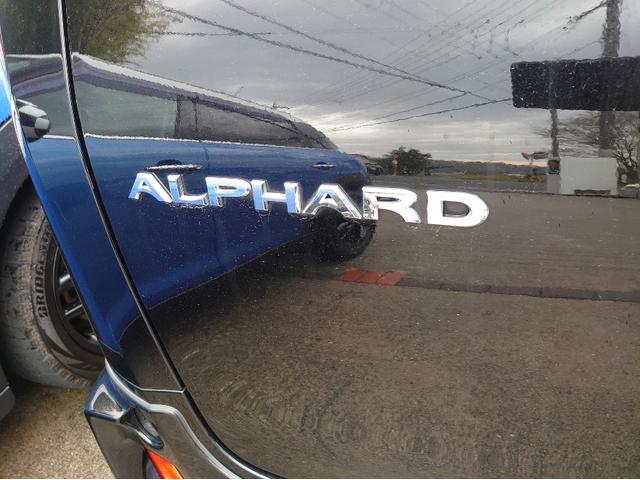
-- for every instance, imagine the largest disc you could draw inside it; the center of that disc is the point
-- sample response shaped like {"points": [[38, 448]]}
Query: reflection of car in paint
{"points": [[130, 112], [230, 351], [45, 334], [235, 136], [374, 168]]}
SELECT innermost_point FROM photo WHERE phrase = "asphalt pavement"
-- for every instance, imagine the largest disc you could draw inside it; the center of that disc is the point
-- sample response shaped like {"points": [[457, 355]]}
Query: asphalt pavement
{"points": [[526, 337], [458, 182], [505, 350], [46, 435]]}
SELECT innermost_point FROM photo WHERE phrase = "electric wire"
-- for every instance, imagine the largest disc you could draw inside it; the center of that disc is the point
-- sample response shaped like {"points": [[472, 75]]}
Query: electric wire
{"points": [[428, 114], [359, 77], [304, 50], [431, 58], [500, 80]]}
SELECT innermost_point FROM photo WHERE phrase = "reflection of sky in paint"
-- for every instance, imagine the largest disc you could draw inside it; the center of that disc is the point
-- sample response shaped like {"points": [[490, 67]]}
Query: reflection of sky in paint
{"points": [[467, 45], [5, 107], [5, 110]]}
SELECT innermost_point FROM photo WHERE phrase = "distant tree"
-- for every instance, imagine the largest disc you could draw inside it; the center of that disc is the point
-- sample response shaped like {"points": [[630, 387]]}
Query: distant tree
{"points": [[410, 162], [36, 34], [626, 140], [116, 30], [580, 136]]}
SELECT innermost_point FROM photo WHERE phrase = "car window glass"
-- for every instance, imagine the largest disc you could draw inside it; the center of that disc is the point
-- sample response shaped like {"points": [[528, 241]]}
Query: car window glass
{"points": [[106, 111]]}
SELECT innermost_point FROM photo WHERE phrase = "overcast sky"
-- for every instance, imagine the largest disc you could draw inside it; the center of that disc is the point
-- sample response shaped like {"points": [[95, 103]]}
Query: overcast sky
{"points": [[400, 48]]}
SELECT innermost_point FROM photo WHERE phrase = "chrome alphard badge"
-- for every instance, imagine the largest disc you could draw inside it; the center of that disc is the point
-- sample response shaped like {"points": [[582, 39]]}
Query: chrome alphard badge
{"points": [[220, 190]]}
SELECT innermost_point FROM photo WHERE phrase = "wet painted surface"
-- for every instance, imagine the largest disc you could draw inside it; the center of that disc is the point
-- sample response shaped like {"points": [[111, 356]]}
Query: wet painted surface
{"points": [[504, 349], [508, 349]]}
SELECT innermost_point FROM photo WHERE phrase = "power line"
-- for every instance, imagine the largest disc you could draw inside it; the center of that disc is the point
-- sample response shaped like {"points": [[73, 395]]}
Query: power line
{"points": [[483, 12], [345, 128], [449, 59], [576, 18], [203, 34], [355, 80], [306, 51], [447, 99], [371, 124], [412, 15], [413, 109], [356, 28], [430, 66], [455, 79], [312, 38], [419, 94], [352, 82], [233, 4]]}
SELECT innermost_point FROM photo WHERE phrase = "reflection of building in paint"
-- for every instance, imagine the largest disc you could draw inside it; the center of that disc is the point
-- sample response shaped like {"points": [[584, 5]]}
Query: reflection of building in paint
{"points": [[585, 175]]}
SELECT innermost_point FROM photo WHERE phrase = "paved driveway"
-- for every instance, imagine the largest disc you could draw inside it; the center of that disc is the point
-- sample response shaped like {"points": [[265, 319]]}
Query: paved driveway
{"points": [[46, 435]]}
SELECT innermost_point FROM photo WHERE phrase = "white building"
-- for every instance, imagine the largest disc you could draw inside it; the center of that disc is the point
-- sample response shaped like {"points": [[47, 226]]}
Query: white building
{"points": [[580, 174]]}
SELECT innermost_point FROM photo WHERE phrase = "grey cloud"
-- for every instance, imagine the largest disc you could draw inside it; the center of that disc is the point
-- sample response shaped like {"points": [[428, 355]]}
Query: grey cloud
{"points": [[467, 45]]}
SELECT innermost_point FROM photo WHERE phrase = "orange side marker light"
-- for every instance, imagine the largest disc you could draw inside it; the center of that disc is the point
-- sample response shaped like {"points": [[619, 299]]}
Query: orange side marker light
{"points": [[164, 467]]}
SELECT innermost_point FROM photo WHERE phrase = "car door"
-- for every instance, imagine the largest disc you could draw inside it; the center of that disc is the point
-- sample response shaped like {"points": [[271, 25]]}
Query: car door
{"points": [[137, 123], [415, 343]]}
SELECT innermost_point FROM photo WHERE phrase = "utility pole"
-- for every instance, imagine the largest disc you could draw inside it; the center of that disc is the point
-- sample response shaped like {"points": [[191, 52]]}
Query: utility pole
{"points": [[555, 143], [610, 48]]}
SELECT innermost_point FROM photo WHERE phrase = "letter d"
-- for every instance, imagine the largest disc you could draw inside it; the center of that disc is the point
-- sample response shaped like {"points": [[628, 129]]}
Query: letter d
{"points": [[478, 210]]}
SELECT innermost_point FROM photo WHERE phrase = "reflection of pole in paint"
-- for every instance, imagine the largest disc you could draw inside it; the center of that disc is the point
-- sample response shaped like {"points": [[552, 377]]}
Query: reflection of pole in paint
{"points": [[531, 175], [638, 147], [606, 124], [555, 143], [553, 163], [610, 48], [611, 31]]}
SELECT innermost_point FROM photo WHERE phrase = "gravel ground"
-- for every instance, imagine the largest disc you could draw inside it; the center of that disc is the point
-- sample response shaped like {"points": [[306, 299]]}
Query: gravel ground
{"points": [[46, 435]]}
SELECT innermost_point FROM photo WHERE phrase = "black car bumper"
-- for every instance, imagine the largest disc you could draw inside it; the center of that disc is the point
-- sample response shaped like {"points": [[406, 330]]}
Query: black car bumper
{"points": [[129, 423], [6, 395]]}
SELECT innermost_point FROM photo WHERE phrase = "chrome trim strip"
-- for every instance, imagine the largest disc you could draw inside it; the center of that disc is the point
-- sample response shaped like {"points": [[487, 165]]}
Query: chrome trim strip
{"points": [[171, 168], [4, 85], [208, 142], [168, 410], [101, 390], [58, 137], [165, 82]]}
